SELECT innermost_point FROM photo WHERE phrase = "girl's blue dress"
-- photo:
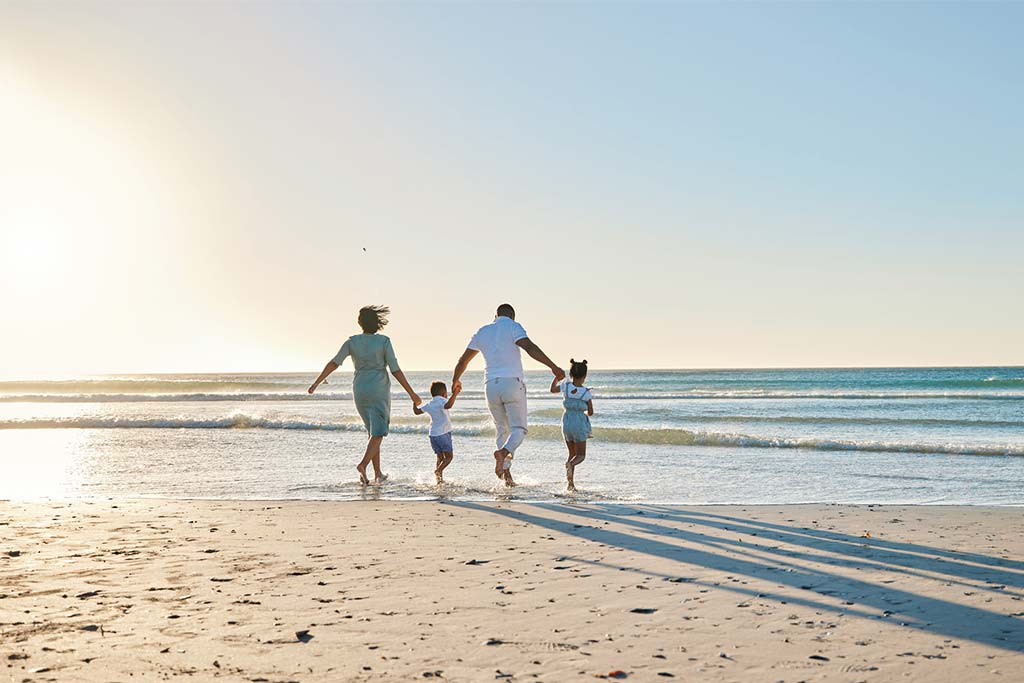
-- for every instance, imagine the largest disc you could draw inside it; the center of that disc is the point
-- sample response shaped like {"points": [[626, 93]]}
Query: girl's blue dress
{"points": [[575, 421]]}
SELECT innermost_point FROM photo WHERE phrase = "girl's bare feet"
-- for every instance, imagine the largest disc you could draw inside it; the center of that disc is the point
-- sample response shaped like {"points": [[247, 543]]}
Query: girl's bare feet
{"points": [[380, 478], [363, 479]]}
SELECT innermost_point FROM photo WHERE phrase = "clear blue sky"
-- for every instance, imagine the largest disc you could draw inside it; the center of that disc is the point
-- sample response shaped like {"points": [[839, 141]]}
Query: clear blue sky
{"points": [[652, 185]]}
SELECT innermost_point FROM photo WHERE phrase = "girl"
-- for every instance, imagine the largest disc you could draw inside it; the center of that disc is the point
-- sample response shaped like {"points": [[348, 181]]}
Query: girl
{"points": [[579, 406]]}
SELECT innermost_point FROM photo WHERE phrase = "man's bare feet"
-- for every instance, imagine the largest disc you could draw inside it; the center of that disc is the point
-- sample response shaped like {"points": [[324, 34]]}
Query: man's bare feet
{"points": [[363, 479], [499, 463]]}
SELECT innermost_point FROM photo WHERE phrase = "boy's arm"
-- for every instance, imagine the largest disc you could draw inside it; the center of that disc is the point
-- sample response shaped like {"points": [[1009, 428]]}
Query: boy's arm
{"points": [[451, 400], [590, 407]]}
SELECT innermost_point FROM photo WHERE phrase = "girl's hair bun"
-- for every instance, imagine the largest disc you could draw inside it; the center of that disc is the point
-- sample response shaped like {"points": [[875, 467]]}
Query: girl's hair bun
{"points": [[584, 361]]}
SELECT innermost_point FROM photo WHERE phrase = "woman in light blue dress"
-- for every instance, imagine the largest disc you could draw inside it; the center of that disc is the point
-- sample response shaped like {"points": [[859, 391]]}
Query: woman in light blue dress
{"points": [[372, 356]]}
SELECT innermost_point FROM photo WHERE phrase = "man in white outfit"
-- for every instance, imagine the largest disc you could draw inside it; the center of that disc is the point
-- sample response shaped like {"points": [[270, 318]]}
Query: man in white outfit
{"points": [[504, 383]]}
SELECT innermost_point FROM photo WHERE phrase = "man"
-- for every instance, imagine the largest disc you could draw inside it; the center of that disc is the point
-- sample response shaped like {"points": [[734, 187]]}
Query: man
{"points": [[504, 383]]}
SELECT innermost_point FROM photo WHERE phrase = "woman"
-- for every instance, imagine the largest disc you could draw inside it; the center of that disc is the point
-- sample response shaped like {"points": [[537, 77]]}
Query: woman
{"points": [[372, 355]]}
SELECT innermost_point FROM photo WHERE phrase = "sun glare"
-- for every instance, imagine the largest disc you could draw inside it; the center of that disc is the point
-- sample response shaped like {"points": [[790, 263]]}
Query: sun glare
{"points": [[35, 254], [76, 190], [82, 206]]}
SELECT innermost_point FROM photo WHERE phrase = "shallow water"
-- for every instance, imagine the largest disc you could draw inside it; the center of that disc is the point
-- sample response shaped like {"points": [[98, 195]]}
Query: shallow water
{"points": [[951, 435]]}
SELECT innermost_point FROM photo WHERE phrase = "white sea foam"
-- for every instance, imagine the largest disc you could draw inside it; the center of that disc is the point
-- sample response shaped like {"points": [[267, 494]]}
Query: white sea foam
{"points": [[675, 437], [275, 396]]}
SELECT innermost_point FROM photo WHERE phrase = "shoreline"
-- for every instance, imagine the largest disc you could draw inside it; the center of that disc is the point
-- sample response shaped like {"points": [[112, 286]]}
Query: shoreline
{"points": [[440, 499], [468, 591]]}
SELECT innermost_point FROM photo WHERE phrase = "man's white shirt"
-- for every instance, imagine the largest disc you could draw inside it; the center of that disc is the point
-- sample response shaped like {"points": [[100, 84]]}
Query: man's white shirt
{"points": [[497, 342]]}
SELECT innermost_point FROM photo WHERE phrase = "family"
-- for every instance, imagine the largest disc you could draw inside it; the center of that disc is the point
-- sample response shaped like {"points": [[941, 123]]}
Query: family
{"points": [[500, 343]]}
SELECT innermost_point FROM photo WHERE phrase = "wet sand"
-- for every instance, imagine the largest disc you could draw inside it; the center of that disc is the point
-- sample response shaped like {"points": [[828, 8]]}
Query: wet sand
{"points": [[359, 591]]}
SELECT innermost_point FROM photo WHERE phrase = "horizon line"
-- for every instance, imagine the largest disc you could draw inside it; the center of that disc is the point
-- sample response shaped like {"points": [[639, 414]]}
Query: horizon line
{"points": [[618, 369]]}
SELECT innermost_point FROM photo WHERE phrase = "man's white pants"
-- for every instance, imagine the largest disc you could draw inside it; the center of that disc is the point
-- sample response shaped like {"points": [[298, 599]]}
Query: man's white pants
{"points": [[506, 398]]}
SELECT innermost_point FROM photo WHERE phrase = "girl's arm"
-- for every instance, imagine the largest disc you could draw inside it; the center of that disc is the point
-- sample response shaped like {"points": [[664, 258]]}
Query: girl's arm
{"points": [[328, 369], [554, 385], [590, 407], [400, 376]]}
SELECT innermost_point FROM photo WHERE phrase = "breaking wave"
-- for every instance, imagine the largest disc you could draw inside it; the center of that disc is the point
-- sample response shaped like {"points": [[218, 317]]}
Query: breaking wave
{"points": [[274, 396], [676, 437]]}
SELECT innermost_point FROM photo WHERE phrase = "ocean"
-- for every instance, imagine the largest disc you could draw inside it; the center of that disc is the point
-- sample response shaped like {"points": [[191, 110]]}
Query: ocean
{"points": [[894, 435]]}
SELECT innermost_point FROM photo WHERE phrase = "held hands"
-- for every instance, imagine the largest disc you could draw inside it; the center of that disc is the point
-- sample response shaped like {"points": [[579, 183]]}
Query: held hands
{"points": [[416, 400], [559, 374], [456, 386]]}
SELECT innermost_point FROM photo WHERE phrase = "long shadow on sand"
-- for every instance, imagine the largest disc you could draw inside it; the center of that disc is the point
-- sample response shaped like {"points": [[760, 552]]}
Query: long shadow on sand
{"points": [[765, 557]]}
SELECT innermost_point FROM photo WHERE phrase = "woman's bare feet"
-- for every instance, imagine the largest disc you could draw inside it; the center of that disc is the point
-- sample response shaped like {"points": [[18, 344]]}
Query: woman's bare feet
{"points": [[363, 479]]}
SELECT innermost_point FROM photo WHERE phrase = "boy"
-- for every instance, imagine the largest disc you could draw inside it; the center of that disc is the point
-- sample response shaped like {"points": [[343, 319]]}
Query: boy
{"points": [[440, 425]]}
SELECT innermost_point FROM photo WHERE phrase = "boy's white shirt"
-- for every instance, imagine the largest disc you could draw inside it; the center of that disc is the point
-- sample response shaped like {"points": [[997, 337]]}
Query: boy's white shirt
{"points": [[440, 423]]}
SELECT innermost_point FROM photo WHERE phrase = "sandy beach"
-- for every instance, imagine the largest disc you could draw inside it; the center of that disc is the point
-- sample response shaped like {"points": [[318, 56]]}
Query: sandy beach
{"points": [[359, 591]]}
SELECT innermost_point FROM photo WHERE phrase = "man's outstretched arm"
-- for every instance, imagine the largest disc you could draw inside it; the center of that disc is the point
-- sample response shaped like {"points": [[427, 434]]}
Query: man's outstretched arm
{"points": [[460, 367], [535, 353]]}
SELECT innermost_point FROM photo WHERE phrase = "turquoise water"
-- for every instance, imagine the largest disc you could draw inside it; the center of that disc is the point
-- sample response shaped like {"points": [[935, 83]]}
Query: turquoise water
{"points": [[936, 435]]}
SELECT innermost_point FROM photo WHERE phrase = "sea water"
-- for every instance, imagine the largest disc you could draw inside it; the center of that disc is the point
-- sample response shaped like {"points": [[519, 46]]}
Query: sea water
{"points": [[896, 435]]}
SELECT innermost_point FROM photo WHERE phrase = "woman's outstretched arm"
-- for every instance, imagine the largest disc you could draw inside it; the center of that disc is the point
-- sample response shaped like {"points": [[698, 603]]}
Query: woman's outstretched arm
{"points": [[391, 360], [400, 376], [328, 369]]}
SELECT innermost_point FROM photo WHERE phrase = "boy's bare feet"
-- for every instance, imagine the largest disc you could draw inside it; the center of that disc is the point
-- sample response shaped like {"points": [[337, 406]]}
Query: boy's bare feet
{"points": [[363, 479], [509, 482]]}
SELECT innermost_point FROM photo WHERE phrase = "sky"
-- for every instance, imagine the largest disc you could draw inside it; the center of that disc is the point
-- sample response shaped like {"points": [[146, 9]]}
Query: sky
{"points": [[190, 187]]}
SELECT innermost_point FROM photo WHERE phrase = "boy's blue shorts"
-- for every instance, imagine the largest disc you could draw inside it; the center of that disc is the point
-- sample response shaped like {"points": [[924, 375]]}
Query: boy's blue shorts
{"points": [[442, 444]]}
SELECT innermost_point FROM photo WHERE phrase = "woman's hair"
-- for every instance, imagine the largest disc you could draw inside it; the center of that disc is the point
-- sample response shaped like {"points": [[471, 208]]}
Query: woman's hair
{"points": [[372, 318], [577, 370]]}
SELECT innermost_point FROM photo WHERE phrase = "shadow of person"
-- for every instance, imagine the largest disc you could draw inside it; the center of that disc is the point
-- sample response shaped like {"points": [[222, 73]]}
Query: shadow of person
{"points": [[791, 559]]}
